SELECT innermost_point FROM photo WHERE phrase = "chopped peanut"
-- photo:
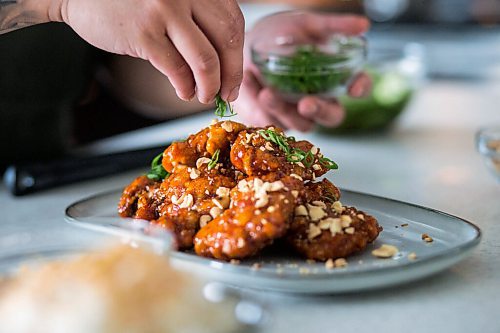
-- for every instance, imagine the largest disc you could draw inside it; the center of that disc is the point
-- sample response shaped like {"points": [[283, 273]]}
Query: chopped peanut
{"points": [[313, 232], [385, 251]]}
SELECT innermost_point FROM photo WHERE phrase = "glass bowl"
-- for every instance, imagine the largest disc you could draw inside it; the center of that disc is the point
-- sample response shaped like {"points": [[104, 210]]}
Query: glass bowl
{"points": [[488, 144], [297, 67], [51, 241], [34, 251], [396, 73]]}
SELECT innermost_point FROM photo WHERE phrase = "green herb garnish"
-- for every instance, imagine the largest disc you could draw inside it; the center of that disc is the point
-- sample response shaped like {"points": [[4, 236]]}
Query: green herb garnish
{"points": [[308, 160], [223, 108], [157, 171], [328, 163], [307, 71], [277, 139], [215, 159], [295, 155]]}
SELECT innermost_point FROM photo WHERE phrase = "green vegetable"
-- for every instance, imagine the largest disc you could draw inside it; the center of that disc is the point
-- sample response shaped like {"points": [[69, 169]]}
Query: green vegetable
{"points": [[277, 139], [390, 95], [328, 163], [390, 89], [223, 108], [307, 71], [157, 171], [215, 159], [295, 155], [298, 155]]}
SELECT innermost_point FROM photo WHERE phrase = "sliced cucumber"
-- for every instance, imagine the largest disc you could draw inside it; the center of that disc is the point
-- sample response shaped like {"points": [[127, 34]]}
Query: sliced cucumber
{"points": [[391, 89]]}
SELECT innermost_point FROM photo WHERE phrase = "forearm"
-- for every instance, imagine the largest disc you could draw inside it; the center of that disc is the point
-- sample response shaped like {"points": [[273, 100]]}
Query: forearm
{"points": [[17, 14]]}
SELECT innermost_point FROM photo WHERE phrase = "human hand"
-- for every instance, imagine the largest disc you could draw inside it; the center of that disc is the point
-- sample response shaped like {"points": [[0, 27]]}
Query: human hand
{"points": [[197, 44], [261, 106]]}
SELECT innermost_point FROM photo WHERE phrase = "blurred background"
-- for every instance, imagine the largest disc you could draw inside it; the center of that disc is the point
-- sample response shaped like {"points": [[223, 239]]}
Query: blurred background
{"points": [[411, 43], [461, 36]]}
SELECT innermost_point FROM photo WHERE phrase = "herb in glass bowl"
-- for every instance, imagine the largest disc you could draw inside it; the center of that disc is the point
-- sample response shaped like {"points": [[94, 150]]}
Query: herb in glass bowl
{"points": [[296, 70], [307, 71]]}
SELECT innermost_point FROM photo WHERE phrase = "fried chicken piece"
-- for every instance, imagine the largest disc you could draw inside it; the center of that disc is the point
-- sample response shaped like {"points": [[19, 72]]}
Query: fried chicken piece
{"points": [[253, 155], [323, 190], [190, 193], [199, 187], [137, 199], [183, 223], [321, 230], [180, 200], [260, 212], [205, 143]]}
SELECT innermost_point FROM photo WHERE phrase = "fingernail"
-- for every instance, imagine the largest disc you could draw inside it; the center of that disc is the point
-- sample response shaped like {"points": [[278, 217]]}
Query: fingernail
{"points": [[193, 95], [206, 99], [234, 94], [184, 97], [181, 96]]}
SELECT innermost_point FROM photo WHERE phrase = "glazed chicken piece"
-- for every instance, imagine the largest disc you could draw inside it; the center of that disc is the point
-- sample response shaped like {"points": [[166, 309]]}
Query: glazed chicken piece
{"points": [[137, 199], [198, 188], [192, 196], [254, 155], [182, 223], [181, 201], [205, 143], [323, 190], [260, 211], [195, 192], [322, 230]]}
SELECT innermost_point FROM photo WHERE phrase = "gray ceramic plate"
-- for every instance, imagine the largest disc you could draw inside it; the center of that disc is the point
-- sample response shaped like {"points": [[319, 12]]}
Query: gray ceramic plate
{"points": [[279, 270]]}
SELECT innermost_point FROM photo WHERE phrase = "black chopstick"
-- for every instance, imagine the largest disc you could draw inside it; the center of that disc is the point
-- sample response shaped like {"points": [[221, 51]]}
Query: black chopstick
{"points": [[23, 179]]}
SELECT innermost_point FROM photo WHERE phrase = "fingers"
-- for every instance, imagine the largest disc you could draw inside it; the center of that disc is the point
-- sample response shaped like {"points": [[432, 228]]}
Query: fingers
{"points": [[224, 25], [285, 113], [323, 112], [261, 107], [361, 86], [163, 56], [199, 54], [319, 25], [248, 104]]}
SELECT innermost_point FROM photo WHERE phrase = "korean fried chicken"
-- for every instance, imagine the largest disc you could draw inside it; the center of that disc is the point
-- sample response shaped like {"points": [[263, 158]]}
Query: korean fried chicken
{"points": [[323, 229], [205, 143], [135, 196], [260, 212], [230, 191], [253, 154], [191, 196]]}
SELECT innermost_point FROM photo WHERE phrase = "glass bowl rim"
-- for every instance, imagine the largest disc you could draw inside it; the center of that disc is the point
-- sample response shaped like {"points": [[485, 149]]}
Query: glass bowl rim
{"points": [[355, 56]]}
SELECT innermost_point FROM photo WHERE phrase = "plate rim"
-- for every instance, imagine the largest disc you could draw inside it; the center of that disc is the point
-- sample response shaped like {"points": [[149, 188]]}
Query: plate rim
{"points": [[214, 264]]}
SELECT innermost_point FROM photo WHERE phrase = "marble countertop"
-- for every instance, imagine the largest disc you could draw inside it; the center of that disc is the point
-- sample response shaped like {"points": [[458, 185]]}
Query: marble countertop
{"points": [[428, 158]]}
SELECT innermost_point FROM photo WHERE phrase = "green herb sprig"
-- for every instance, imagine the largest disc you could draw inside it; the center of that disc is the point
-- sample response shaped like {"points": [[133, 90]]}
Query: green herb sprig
{"points": [[157, 171], [295, 155], [215, 159], [223, 109], [277, 139], [328, 163]]}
